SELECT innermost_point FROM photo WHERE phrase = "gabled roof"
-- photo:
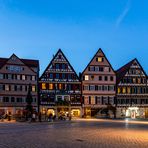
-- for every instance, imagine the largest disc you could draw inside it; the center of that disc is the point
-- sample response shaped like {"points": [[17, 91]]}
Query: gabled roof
{"points": [[27, 62], [99, 50], [120, 73], [59, 51]]}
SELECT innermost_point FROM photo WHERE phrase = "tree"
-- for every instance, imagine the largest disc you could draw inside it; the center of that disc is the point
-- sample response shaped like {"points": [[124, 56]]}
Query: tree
{"points": [[29, 100]]}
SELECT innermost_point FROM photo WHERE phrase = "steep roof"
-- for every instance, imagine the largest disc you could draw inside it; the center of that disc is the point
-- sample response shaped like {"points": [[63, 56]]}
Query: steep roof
{"points": [[120, 73], [59, 51], [27, 62], [99, 50]]}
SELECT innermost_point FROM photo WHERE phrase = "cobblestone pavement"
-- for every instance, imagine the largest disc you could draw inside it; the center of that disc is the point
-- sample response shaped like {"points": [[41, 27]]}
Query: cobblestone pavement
{"points": [[75, 134]]}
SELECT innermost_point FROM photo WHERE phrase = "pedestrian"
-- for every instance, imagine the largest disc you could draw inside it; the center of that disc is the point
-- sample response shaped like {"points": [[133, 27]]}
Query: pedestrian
{"points": [[33, 117]]}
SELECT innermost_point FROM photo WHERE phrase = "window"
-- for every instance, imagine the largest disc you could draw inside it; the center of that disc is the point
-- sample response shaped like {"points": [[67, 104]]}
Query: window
{"points": [[99, 59], [119, 90], [57, 66], [124, 90], [111, 100], [91, 68], [111, 78], [33, 78], [100, 78], [85, 87], [99, 87], [18, 77], [50, 86], [23, 77], [106, 78], [1, 87], [105, 100], [9, 76], [63, 66], [57, 76], [7, 87], [106, 69], [60, 86], [92, 87], [12, 99], [43, 85], [63, 75], [86, 77], [86, 100], [105, 88], [33, 88], [50, 76], [1, 76], [98, 100], [19, 87], [101, 69], [93, 101], [96, 68], [111, 88], [19, 100], [128, 90], [92, 77], [134, 80], [6, 99]]}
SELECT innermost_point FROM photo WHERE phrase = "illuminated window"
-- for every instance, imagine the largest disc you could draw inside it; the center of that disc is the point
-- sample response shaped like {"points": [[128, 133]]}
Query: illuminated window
{"points": [[139, 80], [99, 59], [50, 86], [128, 90], [18, 77], [123, 90], [43, 85], [119, 90], [86, 100], [86, 77], [93, 101], [33, 88], [7, 87], [60, 86], [33, 78], [23, 77], [134, 80]]}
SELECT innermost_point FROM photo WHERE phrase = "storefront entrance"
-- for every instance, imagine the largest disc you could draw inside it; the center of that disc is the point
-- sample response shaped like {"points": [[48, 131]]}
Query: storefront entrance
{"points": [[132, 112], [75, 112]]}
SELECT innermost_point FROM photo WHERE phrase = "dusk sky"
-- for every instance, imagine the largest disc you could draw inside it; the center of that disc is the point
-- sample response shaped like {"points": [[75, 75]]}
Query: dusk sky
{"points": [[38, 28]]}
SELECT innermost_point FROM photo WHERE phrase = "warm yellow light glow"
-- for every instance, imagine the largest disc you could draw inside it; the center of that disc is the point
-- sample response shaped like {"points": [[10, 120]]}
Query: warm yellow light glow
{"points": [[50, 86], [43, 85]]}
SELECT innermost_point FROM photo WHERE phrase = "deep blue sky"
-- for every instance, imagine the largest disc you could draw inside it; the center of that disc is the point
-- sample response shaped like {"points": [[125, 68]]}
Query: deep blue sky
{"points": [[38, 28]]}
